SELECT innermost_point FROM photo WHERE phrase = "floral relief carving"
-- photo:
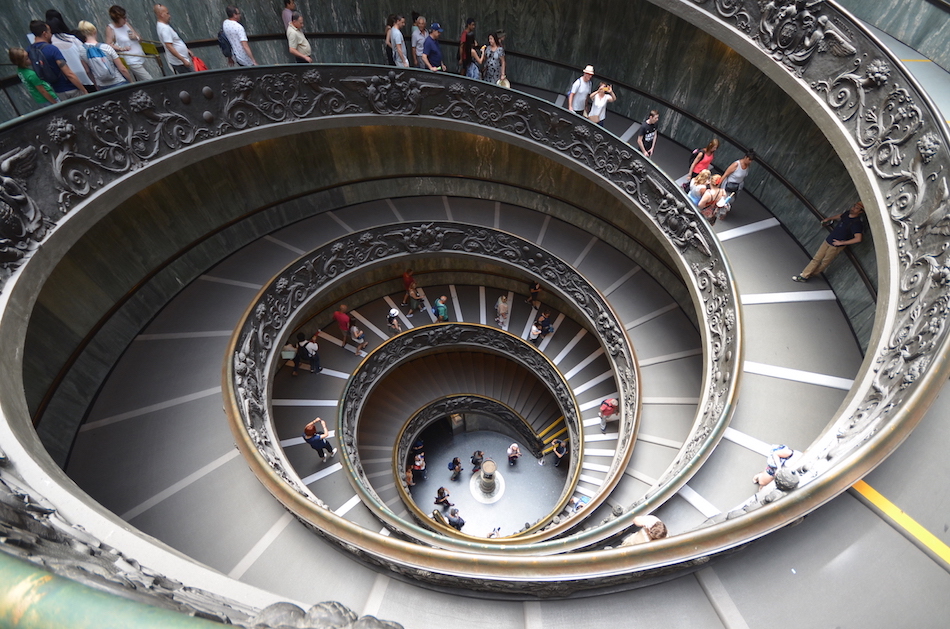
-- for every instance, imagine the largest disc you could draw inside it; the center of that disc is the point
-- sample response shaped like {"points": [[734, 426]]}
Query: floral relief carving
{"points": [[394, 92], [22, 225], [792, 31], [902, 142]]}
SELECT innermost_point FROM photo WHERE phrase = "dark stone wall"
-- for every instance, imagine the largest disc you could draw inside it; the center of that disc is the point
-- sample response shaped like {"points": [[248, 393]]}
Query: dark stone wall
{"points": [[193, 218], [629, 41]]}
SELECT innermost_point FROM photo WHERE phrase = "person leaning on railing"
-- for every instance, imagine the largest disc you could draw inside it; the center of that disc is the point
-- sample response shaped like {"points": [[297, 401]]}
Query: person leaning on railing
{"points": [[125, 40], [848, 231]]}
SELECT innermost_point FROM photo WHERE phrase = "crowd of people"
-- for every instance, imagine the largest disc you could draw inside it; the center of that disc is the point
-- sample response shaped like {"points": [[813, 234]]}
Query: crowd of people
{"points": [[485, 61]]}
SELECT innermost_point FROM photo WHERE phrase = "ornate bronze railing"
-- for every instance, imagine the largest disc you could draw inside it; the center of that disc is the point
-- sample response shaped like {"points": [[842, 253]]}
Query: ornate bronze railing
{"points": [[288, 298], [416, 342], [98, 152]]}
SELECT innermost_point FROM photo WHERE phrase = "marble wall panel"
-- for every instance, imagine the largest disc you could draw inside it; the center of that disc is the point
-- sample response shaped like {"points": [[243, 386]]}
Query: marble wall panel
{"points": [[923, 25]]}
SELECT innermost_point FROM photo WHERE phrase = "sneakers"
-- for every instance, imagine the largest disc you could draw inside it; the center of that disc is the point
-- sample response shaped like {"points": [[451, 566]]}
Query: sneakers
{"points": [[799, 278], [409, 316], [333, 453]]}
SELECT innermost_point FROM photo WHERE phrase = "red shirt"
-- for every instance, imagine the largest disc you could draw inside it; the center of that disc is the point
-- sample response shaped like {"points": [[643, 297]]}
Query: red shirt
{"points": [[343, 320], [704, 163], [407, 280]]}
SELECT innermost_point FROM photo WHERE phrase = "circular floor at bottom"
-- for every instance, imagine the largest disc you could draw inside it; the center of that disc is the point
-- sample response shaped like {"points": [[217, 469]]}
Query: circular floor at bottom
{"points": [[530, 490]]}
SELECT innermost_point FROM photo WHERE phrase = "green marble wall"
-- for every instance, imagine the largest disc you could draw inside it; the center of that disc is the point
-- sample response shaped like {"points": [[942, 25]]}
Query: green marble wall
{"points": [[629, 41], [923, 25]]}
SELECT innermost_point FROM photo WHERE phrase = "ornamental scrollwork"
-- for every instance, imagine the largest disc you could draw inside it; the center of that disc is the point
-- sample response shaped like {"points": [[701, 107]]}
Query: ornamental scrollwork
{"points": [[393, 93], [34, 531], [22, 225], [902, 142], [262, 332], [473, 103], [280, 97], [792, 31], [681, 225], [112, 139]]}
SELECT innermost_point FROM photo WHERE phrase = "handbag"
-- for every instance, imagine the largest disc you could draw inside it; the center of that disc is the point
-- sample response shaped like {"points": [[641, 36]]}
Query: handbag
{"points": [[288, 352], [732, 187], [198, 64]]}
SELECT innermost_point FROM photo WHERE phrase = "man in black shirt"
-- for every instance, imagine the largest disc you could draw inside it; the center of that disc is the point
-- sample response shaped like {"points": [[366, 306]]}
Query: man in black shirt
{"points": [[646, 136], [848, 231]]}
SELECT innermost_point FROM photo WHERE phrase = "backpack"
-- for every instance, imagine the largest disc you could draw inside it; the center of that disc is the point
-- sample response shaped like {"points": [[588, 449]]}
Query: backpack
{"points": [[44, 69], [100, 65], [452, 464], [225, 44]]}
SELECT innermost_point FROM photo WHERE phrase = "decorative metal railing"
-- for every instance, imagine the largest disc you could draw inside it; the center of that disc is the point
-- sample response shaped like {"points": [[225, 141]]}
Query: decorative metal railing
{"points": [[888, 133], [97, 148], [416, 342], [894, 141], [280, 305]]}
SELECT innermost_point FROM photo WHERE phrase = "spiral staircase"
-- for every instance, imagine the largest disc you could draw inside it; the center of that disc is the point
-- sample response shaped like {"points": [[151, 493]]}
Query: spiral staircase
{"points": [[156, 451]]}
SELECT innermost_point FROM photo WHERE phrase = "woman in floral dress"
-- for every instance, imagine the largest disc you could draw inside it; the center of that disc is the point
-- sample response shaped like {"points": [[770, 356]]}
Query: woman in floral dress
{"points": [[494, 60]]}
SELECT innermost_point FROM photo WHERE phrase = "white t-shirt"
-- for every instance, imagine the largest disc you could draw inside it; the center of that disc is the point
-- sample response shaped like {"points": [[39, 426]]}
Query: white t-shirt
{"points": [[134, 56], [580, 90], [236, 34], [397, 39], [73, 50], [599, 106], [167, 35], [109, 52]]}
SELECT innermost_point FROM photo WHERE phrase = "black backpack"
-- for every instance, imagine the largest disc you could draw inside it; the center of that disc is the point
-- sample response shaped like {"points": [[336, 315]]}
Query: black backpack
{"points": [[42, 65], [225, 44]]}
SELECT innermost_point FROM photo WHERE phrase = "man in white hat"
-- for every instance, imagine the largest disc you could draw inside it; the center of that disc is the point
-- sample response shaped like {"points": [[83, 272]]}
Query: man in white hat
{"points": [[580, 90]]}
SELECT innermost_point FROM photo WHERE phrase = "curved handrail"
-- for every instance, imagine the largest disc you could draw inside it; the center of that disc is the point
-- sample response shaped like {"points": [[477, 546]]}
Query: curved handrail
{"points": [[464, 403], [286, 298], [908, 362], [667, 104], [127, 129], [138, 129], [426, 339]]}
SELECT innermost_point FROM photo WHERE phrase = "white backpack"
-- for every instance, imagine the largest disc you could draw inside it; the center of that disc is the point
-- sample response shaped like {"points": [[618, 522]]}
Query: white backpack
{"points": [[100, 64]]}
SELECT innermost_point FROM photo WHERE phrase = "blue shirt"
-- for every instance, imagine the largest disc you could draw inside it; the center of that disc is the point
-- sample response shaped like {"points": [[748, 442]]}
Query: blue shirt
{"points": [[53, 57], [846, 228], [432, 50]]}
